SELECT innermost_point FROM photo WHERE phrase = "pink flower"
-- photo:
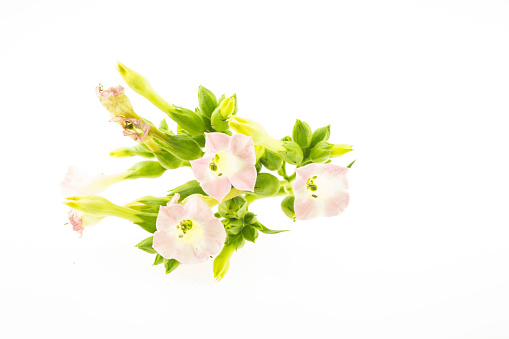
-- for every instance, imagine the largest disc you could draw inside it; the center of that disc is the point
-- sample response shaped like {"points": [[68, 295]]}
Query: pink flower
{"points": [[80, 220], [320, 191], [134, 128], [80, 182], [190, 233], [227, 161], [112, 91]]}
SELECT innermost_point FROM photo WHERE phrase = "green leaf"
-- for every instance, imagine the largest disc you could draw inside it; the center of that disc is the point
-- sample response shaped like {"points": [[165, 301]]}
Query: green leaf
{"points": [[250, 233], [271, 160], [207, 101], [146, 245], [320, 134], [170, 265], [145, 169], [159, 260], [189, 188], [266, 185], [265, 230]]}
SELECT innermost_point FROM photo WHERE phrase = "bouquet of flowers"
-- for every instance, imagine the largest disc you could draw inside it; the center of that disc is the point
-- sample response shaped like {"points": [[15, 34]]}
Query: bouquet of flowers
{"points": [[230, 157]]}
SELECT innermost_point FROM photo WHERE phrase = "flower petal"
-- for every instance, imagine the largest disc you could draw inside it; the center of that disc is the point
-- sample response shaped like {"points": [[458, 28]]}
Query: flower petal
{"points": [[217, 188], [244, 179], [216, 142], [198, 210], [201, 169], [242, 147], [166, 245], [169, 217]]}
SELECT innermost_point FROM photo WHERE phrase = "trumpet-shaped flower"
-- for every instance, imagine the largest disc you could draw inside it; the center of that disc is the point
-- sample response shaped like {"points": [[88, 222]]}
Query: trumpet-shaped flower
{"points": [[79, 182], [80, 220], [320, 190], [190, 233], [228, 160]]}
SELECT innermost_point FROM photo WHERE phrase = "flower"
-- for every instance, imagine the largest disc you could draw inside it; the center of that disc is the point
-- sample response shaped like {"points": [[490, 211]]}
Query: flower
{"points": [[81, 220], [116, 102], [320, 190], [190, 233], [80, 182], [134, 128], [227, 161]]}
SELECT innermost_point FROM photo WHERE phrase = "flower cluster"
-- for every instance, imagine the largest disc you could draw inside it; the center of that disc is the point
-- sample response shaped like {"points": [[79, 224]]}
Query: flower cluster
{"points": [[234, 161]]}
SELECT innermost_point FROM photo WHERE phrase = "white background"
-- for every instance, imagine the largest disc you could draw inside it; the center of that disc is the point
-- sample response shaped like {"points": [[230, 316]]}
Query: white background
{"points": [[420, 87]]}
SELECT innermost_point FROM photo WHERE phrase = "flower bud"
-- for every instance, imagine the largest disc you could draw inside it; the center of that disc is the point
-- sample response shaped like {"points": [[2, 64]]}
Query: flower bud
{"points": [[225, 109], [271, 160], [287, 205], [100, 207], [340, 149], [255, 131], [180, 145], [80, 220], [320, 134], [187, 119], [222, 262], [116, 102], [250, 233], [145, 169], [137, 150], [233, 226], [292, 153], [302, 134], [168, 160], [249, 218], [207, 101], [321, 152], [259, 150], [266, 185], [233, 208]]}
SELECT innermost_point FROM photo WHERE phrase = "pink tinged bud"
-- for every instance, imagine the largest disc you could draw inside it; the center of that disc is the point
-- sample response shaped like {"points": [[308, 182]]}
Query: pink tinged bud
{"points": [[79, 182], [134, 128], [190, 233], [320, 191], [81, 220], [228, 160]]}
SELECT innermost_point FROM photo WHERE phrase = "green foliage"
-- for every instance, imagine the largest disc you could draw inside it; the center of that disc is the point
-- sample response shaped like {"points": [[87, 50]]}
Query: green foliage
{"points": [[187, 189], [271, 160], [170, 265], [302, 134], [287, 205], [146, 245], [266, 185], [207, 101], [145, 169], [321, 152], [250, 233], [320, 134]]}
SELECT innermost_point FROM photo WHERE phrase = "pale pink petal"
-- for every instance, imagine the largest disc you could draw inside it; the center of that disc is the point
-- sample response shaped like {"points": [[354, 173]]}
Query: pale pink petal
{"points": [[76, 222], [244, 179], [197, 210], [169, 217], [242, 147], [174, 200], [133, 128], [217, 188], [201, 168], [112, 91], [213, 239], [166, 245], [186, 255], [307, 208], [336, 204], [216, 142]]}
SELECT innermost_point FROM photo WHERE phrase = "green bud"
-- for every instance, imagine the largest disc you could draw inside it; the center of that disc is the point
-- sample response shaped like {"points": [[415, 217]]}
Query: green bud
{"points": [[340, 149], [232, 226], [159, 260], [223, 111], [168, 160], [292, 153], [189, 188], [146, 245], [249, 218], [250, 233], [181, 145], [207, 101], [222, 262], [321, 152], [236, 240], [187, 119], [171, 265], [137, 150], [302, 134], [148, 204], [287, 205], [266, 185], [271, 160], [233, 208], [145, 169], [320, 134], [258, 167]]}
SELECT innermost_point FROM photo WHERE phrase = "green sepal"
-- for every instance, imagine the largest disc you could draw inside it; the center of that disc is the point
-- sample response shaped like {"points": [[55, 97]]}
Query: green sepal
{"points": [[170, 265], [148, 221], [207, 101], [146, 245], [258, 167], [265, 230], [292, 153], [219, 118], [237, 241], [137, 150], [220, 100], [200, 139], [321, 152], [159, 260], [188, 120], [320, 134], [353, 162], [168, 160], [145, 169], [233, 226], [163, 126], [250, 218], [302, 134], [340, 149], [187, 189], [266, 185], [233, 208], [148, 204], [250, 233], [181, 145], [287, 205], [271, 160]]}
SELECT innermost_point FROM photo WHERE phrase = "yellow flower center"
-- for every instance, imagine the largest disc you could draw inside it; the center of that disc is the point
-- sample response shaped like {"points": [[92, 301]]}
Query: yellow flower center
{"points": [[223, 163], [188, 232], [312, 187]]}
